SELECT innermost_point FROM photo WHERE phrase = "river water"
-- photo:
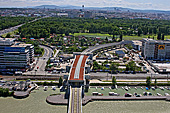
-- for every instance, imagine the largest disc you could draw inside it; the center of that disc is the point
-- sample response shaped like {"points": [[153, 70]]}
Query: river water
{"points": [[36, 103]]}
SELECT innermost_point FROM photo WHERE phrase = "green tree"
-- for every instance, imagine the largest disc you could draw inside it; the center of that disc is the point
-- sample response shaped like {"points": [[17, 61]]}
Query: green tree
{"points": [[139, 31], [121, 37], [114, 67], [148, 82], [8, 35], [131, 66], [106, 40], [114, 81], [60, 81], [159, 36], [163, 36]]}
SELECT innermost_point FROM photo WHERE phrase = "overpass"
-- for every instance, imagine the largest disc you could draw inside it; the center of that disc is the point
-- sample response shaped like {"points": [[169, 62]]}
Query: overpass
{"points": [[103, 46], [76, 82]]}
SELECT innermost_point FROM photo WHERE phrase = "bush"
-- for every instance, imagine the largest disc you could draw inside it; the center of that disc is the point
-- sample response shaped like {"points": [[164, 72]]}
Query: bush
{"points": [[5, 92], [47, 83]]}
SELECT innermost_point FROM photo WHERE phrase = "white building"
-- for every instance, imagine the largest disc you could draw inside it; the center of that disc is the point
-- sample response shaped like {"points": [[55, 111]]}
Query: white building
{"points": [[156, 49]]}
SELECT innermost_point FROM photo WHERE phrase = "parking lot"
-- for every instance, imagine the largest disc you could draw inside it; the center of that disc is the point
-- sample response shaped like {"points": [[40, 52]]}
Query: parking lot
{"points": [[121, 91]]}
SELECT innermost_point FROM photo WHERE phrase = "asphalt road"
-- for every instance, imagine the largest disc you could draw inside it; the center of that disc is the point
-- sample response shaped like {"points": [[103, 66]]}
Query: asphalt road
{"points": [[41, 62], [94, 48], [128, 76], [11, 29]]}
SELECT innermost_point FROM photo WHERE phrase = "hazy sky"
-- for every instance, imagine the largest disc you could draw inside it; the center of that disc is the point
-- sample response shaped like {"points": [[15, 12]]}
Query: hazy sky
{"points": [[135, 4]]}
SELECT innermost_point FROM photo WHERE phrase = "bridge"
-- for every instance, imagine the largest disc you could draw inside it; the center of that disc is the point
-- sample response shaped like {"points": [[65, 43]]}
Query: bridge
{"points": [[104, 46], [76, 82]]}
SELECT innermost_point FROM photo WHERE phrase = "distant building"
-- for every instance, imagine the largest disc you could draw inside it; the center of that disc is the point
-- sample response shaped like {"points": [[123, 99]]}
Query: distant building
{"points": [[87, 14], [120, 53], [156, 49], [15, 56], [137, 45], [62, 14]]}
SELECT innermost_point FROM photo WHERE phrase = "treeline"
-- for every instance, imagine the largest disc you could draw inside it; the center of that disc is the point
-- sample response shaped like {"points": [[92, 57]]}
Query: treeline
{"points": [[45, 27], [7, 22]]}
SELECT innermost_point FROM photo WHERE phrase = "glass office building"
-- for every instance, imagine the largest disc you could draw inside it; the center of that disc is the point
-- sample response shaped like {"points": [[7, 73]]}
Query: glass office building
{"points": [[15, 56]]}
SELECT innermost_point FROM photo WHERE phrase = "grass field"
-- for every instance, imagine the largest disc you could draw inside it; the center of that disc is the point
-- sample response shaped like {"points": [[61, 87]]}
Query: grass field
{"points": [[11, 33], [93, 35], [124, 37], [121, 91]]}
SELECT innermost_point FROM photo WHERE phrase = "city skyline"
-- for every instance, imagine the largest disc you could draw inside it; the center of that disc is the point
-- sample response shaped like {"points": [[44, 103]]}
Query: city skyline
{"points": [[134, 4]]}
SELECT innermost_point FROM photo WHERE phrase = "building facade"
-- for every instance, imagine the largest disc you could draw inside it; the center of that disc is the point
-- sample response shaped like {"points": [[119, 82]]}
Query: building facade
{"points": [[15, 56], [156, 49]]}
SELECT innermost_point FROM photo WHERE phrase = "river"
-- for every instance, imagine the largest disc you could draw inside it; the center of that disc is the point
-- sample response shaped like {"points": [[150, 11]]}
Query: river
{"points": [[36, 103]]}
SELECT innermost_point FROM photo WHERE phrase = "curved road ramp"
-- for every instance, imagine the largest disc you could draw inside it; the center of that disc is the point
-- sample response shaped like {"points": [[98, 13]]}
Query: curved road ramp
{"points": [[75, 100], [23, 94]]}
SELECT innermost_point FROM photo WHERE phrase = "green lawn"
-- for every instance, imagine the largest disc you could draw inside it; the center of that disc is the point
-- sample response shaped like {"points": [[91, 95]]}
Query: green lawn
{"points": [[93, 35], [11, 33], [124, 37], [120, 91]]}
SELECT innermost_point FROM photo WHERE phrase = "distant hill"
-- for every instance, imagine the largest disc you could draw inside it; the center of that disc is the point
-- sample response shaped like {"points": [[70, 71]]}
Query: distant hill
{"points": [[101, 8], [58, 7]]}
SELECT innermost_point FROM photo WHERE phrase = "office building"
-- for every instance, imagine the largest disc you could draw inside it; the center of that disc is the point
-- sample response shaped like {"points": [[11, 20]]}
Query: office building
{"points": [[156, 49], [15, 56]]}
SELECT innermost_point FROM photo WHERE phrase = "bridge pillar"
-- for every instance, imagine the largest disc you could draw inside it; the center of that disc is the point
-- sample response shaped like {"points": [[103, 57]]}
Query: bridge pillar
{"points": [[67, 94]]}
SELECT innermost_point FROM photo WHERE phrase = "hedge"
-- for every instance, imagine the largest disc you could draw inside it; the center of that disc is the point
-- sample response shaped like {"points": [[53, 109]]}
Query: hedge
{"points": [[47, 83]]}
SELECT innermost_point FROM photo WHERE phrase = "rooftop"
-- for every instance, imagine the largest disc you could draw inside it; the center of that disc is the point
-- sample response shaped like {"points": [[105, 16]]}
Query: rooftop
{"points": [[78, 67], [156, 41]]}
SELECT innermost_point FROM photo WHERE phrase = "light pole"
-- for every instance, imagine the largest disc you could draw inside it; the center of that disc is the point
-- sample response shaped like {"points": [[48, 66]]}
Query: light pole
{"points": [[35, 72], [167, 77]]}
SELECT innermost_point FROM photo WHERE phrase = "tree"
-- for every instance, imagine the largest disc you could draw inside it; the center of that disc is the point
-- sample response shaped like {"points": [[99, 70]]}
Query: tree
{"points": [[163, 36], [8, 35], [121, 37], [131, 66], [139, 31], [113, 81], [159, 36], [148, 82], [113, 38], [113, 67], [60, 81], [106, 39]]}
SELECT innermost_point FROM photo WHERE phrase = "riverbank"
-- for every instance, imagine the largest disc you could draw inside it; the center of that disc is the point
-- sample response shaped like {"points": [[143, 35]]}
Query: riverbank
{"points": [[59, 99], [36, 103]]}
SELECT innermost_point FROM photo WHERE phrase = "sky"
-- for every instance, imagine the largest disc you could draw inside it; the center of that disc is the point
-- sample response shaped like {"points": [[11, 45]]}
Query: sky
{"points": [[134, 4]]}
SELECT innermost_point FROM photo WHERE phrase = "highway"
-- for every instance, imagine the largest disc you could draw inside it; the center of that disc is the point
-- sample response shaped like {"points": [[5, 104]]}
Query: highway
{"points": [[94, 48], [11, 29]]}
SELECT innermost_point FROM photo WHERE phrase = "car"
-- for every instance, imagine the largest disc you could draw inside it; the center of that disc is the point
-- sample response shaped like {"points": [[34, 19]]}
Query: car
{"points": [[138, 95], [158, 94], [128, 95], [145, 93], [54, 71]]}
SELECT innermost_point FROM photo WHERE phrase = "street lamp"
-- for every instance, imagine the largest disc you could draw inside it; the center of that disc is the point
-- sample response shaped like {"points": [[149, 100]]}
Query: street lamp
{"points": [[167, 77], [35, 72]]}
